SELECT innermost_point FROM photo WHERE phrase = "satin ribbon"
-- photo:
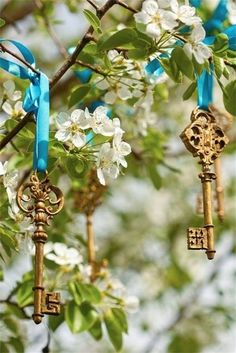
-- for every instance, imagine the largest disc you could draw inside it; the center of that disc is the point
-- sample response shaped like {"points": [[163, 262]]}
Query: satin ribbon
{"points": [[36, 100], [205, 80], [219, 15], [83, 75]]}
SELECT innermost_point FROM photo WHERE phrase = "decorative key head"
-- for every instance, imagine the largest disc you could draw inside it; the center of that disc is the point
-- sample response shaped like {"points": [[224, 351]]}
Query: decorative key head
{"points": [[203, 137], [39, 196]]}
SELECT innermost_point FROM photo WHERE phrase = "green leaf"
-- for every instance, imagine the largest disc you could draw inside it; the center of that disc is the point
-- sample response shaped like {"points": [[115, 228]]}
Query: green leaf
{"points": [[189, 91], [4, 348], [1, 274], [184, 344], [172, 70], [96, 330], [93, 20], [90, 315], [218, 65], [125, 36], [17, 344], [114, 330], [73, 316], [25, 293], [75, 293], [229, 95], [2, 22], [226, 73], [154, 176], [198, 68], [161, 91], [10, 124], [55, 321], [221, 43], [137, 53], [78, 94], [121, 318], [89, 292], [183, 62], [80, 318]]}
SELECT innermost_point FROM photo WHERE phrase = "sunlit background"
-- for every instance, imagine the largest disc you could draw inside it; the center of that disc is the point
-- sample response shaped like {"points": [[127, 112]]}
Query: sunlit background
{"points": [[187, 303]]}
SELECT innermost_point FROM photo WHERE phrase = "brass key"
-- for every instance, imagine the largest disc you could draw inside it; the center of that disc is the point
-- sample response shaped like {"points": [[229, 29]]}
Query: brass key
{"points": [[206, 140], [40, 200]]}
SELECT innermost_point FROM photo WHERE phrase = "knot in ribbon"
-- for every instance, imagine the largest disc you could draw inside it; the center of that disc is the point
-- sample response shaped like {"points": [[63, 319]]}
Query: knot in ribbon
{"points": [[36, 100]]}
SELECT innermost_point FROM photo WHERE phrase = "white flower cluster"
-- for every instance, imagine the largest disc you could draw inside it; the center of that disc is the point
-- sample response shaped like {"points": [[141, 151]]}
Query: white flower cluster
{"points": [[118, 290], [118, 86], [72, 130], [159, 16], [62, 255], [11, 103]]}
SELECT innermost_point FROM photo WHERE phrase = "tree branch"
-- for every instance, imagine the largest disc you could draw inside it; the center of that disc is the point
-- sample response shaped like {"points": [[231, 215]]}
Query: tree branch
{"points": [[92, 4], [93, 68], [62, 50], [9, 302], [127, 7], [61, 71], [16, 56]]}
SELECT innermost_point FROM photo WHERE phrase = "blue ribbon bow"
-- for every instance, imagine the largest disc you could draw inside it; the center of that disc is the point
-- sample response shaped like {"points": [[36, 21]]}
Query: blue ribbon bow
{"points": [[36, 100]]}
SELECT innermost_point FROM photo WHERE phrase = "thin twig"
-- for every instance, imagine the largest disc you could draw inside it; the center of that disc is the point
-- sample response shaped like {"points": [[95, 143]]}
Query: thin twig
{"points": [[16, 56], [93, 68], [127, 7], [9, 302], [62, 50], [92, 4]]}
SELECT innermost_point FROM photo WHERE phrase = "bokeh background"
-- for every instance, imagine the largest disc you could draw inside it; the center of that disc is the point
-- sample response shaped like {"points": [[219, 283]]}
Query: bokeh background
{"points": [[187, 303]]}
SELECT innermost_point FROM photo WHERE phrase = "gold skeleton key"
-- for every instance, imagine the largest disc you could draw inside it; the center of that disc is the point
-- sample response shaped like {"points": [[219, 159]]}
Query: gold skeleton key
{"points": [[224, 120], [41, 200], [206, 140]]}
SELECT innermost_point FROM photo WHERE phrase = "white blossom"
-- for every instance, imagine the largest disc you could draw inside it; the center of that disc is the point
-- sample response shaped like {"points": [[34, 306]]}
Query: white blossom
{"points": [[71, 127], [14, 111], [186, 14], [131, 304], [3, 168], [63, 255], [156, 18], [101, 124], [106, 164], [10, 181], [25, 223], [121, 149], [10, 92], [86, 272], [195, 46]]}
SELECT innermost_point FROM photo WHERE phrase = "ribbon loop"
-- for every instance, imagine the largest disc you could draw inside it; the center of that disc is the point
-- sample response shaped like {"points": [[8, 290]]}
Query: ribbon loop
{"points": [[36, 100]]}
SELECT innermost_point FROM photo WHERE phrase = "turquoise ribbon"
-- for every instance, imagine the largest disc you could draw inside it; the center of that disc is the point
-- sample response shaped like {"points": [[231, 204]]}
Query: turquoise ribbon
{"points": [[83, 75], [205, 80], [36, 100]]}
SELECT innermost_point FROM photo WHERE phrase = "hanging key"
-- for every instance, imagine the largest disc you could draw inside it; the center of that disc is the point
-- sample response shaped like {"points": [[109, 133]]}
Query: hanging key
{"points": [[224, 120], [40, 200], [206, 140]]}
